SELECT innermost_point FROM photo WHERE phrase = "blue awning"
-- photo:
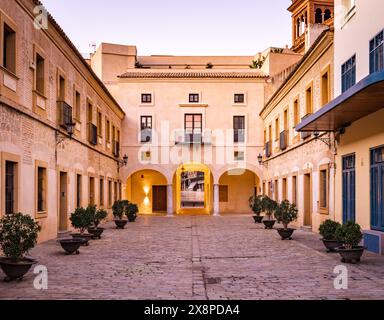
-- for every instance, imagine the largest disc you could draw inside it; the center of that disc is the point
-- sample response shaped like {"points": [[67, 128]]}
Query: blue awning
{"points": [[362, 99]]}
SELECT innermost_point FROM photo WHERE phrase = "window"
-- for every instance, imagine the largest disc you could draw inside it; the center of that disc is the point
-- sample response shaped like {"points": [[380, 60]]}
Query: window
{"points": [[119, 194], [9, 49], [223, 193], [324, 189], [296, 112], [109, 193], [286, 120], [270, 133], [40, 74], [264, 189], [91, 191], [309, 99], [99, 124], [294, 189], [79, 185], [265, 136], [77, 104], [146, 155], [146, 128], [193, 124], [277, 129], [115, 192], [325, 88], [107, 131], [327, 14], [376, 53], [318, 16], [348, 74], [41, 189], [238, 129], [90, 113], [61, 89], [239, 155], [276, 190], [10, 187], [146, 98], [101, 192], [239, 98], [194, 98], [284, 186]]}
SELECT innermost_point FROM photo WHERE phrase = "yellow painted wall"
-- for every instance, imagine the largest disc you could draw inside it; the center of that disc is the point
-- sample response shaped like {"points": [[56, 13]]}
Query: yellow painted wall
{"points": [[363, 135], [240, 188], [136, 186]]}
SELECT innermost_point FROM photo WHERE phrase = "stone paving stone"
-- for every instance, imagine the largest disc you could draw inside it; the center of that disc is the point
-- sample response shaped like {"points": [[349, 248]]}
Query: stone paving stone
{"points": [[198, 257]]}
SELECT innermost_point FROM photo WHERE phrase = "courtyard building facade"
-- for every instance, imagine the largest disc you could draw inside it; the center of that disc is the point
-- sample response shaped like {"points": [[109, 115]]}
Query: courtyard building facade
{"points": [[357, 116], [57, 123]]}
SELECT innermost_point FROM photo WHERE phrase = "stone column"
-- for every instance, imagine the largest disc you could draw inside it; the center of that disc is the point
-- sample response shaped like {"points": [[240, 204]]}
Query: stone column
{"points": [[170, 200], [216, 203]]}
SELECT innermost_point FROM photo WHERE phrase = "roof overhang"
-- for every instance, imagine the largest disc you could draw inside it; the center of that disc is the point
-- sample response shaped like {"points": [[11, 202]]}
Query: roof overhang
{"points": [[362, 99]]}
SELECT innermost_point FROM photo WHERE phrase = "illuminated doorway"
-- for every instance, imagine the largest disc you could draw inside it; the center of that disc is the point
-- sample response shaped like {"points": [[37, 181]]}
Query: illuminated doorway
{"points": [[193, 189]]}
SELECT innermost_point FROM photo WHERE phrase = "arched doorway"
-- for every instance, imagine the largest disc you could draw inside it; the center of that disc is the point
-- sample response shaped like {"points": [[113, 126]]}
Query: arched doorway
{"points": [[194, 189], [235, 189], [148, 189]]}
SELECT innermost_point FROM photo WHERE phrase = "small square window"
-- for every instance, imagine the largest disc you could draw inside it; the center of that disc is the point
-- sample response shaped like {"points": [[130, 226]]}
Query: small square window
{"points": [[239, 98], [239, 156], [146, 156], [194, 98], [146, 98]]}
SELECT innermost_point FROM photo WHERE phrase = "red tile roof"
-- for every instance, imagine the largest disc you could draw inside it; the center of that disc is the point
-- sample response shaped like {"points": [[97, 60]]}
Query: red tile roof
{"points": [[156, 74]]}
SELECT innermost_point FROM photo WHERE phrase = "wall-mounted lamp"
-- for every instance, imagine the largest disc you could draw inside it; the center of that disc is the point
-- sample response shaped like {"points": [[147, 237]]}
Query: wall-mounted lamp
{"points": [[260, 159], [60, 138], [122, 162]]}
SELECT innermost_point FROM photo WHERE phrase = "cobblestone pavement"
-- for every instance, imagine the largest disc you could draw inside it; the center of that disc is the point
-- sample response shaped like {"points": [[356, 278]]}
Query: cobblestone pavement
{"points": [[197, 257]]}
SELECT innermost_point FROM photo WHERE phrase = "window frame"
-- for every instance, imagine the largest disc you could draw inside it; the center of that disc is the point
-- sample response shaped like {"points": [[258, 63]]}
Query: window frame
{"points": [[147, 127], [4, 156], [78, 192], [101, 191], [144, 98], [309, 100], [192, 98], [345, 84], [373, 51], [324, 169], [5, 21], [237, 101], [39, 214], [326, 71], [237, 127]]}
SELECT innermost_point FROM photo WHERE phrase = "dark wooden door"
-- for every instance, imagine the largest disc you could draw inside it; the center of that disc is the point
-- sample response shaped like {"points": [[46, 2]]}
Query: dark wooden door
{"points": [[159, 198]]}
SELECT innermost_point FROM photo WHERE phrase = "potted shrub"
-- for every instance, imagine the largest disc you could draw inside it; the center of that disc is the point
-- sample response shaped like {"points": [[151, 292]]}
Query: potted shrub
{"points": [[131, 211], [286, 213], [255, 203], [350, 235], [328, 231], [18, 235], [81, 220], [118, 210], [269, 207], [97, 217]]}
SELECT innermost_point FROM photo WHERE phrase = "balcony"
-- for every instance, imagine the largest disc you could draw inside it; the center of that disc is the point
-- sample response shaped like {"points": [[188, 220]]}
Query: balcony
{"points": [[65, 114], [239, 135], [268, 149], [146, 135], [92, 134], [188, 138], [284, 140]]}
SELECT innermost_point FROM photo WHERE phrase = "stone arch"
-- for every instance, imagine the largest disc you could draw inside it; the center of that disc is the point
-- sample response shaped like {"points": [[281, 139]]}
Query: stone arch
{"points": [[327, 14], [318, 15], [257, 170], [155, 167]]}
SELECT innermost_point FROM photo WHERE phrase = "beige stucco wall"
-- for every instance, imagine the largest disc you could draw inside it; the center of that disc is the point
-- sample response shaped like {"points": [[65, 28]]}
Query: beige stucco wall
{"points": [[359, 141], [352, 36]]}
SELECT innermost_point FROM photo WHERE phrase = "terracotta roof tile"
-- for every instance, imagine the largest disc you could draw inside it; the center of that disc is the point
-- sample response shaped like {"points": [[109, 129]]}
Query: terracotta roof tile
{"points": [[193, 74]]}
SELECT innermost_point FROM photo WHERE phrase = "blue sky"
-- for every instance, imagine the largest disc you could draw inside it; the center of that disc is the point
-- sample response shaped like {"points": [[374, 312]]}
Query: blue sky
{"points": [[178, 27]]}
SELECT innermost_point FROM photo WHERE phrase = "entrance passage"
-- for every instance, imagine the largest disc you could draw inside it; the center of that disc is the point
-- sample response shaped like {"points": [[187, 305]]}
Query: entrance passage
{"points": [[63, 213], [308, 200], [159, 198]]}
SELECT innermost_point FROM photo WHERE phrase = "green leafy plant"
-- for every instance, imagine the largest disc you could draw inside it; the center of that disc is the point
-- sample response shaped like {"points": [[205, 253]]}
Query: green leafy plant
{"points": [[209, 65], [349, 234], [269, 206], [18, 235], [82, 219], [328, 229], [131, 209], [255, 203], [118, 209], [138, 65], [286, 213], [99, 216], [257, 64]]}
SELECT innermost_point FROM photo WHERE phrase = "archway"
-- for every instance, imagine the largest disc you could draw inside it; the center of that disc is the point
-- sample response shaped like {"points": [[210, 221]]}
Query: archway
{"points": [[235, 189], [148, 189], [193, 186]]}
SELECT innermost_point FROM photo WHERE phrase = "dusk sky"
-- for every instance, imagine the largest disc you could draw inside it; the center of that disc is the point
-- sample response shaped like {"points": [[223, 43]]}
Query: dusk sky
{"points": [[177, 27]]}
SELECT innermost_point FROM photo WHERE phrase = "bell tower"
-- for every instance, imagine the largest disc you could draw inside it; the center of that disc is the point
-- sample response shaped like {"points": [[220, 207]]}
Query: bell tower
{"points": [[306, 15]]}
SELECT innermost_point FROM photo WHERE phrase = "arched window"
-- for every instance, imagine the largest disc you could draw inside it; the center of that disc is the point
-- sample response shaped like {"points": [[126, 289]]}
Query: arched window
{"points": [[318, 16], [327, 14], [298, 28]]}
